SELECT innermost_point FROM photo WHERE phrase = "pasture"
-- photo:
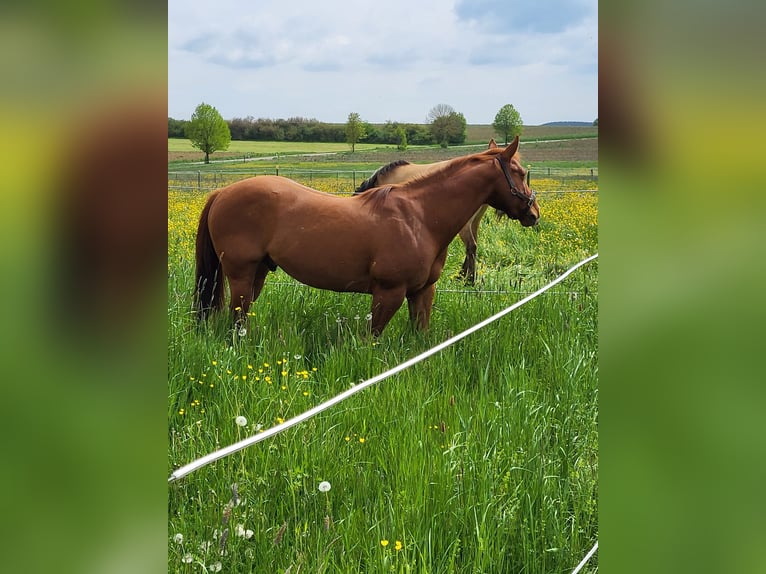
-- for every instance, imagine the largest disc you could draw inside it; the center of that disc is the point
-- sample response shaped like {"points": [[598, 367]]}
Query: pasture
{"points": [[483, 458], [540, 145]]}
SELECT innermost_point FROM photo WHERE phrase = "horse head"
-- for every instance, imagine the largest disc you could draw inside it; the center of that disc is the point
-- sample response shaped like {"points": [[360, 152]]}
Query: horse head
{"points": [[513, 195]]}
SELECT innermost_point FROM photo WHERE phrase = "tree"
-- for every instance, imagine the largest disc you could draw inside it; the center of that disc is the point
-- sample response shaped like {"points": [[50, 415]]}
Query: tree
{"points": [[446, 125], [595, 122], [176, 128], [439, 111], [508, 122], [401, 135], [208, 131], [355, 130]]}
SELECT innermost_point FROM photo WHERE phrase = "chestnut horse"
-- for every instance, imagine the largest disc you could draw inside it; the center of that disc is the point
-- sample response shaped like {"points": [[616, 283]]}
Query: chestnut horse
{"points": [[401, 170], [390, 242]]}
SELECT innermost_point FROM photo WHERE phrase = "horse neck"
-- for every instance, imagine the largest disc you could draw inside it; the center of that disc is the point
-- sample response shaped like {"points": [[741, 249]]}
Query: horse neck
{"points": [[451, 197]]}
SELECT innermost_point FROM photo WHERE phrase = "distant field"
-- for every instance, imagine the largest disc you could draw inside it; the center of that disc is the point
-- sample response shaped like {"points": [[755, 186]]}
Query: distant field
{"points": [[259, 148], [481, 133]]}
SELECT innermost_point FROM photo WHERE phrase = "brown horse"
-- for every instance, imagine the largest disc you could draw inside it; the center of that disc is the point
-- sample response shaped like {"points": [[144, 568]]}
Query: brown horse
{"points": [[401, 170], [390, 242]]}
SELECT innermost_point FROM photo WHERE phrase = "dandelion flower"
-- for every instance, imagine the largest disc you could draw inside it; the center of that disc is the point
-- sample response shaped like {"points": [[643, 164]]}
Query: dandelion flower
{"points": [[362, 439], [324, 486], [398, 545], [240, 420], [178, 538], [384, 543]]}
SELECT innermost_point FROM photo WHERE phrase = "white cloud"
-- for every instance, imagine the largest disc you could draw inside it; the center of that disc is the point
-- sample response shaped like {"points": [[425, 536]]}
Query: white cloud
{"points": [[392, 60]]}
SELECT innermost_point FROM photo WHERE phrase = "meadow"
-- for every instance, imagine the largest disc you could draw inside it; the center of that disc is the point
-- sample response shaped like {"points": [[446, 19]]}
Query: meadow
{"points": [[544, 146], [483, 458]]}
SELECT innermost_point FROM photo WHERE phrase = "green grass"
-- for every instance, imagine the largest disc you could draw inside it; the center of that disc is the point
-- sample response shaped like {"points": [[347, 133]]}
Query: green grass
{"points": [[268, 148], [481, 459]]}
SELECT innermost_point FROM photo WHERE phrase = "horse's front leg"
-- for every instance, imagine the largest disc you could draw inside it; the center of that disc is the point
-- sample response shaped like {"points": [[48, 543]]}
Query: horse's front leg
{"points": [[385, 303], [420, 304]]}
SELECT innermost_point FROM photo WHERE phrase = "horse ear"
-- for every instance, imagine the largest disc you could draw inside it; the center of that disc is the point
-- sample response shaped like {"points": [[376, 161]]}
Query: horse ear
{"points": [[510, 151], [492, 144]]}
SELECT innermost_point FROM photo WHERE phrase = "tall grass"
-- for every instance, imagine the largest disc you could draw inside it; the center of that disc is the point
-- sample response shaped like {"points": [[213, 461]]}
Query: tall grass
{"points": [[481, 459]]}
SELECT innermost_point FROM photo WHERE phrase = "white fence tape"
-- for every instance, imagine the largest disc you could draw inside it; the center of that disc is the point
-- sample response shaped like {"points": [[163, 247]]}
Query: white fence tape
{"points": [[587, 557], [226, 451]]}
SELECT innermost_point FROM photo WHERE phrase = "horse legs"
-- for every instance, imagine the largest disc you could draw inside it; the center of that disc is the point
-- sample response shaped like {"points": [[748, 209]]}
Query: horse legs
{"points": [[420, 306], [468, 270], [385, 303], [245, 284], [469, 235]]}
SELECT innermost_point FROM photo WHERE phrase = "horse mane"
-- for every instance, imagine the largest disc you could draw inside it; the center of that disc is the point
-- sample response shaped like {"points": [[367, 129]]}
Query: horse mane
{"points": [[371, 181], [375, 197], [445, 171]]}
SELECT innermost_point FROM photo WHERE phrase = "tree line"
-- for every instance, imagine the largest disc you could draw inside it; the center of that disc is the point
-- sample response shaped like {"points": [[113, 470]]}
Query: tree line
{"points": [[300, 129], [209, 132]]}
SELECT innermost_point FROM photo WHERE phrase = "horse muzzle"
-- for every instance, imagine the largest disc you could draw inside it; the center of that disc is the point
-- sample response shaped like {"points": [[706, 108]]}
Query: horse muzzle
{"points": [[529, 219]]}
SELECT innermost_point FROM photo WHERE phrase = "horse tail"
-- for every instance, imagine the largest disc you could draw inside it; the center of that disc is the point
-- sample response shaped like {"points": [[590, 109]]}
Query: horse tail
{"points": [[374, 179], [208, 292]]}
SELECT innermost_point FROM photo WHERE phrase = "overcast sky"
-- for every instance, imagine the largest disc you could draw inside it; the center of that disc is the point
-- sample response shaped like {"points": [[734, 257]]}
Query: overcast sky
{"points": [[386, 60]]}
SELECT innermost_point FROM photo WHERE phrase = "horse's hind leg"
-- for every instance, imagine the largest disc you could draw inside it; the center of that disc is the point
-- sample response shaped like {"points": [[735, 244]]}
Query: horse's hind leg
{"points": [[468, 270], [419, 304], [245, 287], [470, 234]]}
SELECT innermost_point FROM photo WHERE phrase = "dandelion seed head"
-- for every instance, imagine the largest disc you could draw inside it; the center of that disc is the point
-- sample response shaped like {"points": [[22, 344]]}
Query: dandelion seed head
{"points": [[240, 420], [324, 486], [243, 532], [187, 558]]}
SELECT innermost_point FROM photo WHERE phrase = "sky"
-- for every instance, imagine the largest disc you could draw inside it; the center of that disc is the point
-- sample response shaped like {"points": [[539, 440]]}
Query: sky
{"points": [[386, 61]]}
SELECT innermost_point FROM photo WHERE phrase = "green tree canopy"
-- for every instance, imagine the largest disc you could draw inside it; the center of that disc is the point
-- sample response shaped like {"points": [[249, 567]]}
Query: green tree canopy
{"points": [[447, 126], [355, 130], [508, 122], [208, 131], [401, 134]]}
